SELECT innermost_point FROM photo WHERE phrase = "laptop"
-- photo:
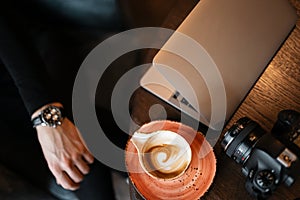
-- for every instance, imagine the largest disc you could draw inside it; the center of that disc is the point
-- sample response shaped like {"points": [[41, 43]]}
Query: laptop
{"points": [[236, 40]]}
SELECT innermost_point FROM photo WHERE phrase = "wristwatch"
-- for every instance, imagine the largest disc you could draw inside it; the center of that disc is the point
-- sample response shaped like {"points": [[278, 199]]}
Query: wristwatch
{"points": [[51, 116]]}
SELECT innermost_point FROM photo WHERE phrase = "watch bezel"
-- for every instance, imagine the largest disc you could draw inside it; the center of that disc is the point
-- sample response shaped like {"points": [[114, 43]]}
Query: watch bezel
{"points": [[55, 116], [51, 116]]}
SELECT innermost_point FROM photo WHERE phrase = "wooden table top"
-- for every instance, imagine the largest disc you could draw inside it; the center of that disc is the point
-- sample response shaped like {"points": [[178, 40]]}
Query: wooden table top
{"points": [[277, 89]]}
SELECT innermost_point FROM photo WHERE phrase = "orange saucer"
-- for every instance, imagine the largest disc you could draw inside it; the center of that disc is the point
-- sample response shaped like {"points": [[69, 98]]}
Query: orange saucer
{"points": [[192, 184]]}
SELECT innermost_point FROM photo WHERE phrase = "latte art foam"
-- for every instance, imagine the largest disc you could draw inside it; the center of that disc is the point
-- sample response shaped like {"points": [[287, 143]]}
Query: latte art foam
{"points": [[165, 160]]}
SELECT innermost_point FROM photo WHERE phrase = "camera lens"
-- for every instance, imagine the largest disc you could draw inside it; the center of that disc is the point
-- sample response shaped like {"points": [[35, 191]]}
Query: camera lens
{"points": [[240, 138], [234, 131]]}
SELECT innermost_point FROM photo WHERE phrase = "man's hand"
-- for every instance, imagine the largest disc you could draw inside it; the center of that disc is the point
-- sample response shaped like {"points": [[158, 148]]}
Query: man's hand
{"points": [[66, 154]]}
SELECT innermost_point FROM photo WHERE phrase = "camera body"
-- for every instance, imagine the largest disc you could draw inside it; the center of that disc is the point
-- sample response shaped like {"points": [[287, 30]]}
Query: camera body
{"points": [[268, 159]]}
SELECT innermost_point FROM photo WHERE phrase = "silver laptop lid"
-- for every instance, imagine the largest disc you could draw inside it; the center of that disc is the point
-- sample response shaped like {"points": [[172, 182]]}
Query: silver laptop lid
{"points": [[238, 37]]}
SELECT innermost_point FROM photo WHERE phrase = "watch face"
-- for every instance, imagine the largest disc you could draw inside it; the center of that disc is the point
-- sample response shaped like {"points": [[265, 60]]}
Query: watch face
{"points": [[52, 116]]}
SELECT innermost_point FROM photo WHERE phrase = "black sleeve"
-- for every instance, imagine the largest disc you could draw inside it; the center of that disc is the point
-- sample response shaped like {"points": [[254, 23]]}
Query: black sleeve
{"points": [[24, 65]]}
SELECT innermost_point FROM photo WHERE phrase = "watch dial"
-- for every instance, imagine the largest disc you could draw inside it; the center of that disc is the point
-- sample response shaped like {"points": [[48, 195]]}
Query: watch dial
{"points": [[52, 116]]}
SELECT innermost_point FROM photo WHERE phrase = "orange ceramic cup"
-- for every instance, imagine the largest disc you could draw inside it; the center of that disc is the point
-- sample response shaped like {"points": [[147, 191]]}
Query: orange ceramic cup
{"points": [[191, 184]]}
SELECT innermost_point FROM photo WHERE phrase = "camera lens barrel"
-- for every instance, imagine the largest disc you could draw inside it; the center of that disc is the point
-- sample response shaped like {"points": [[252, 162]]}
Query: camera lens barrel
{"points": [[233, 131], [240, 138]]}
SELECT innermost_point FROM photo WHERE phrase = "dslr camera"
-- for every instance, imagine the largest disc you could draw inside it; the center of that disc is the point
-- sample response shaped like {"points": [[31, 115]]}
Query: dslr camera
{"points": [[268, 159]]}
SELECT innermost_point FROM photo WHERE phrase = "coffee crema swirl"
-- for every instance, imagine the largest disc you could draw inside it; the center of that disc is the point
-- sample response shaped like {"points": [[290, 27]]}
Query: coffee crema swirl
{"points": [[165, 160]]}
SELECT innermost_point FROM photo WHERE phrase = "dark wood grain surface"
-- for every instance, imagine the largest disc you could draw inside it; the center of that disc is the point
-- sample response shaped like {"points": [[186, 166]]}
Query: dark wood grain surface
{"points": [[277, 89]]}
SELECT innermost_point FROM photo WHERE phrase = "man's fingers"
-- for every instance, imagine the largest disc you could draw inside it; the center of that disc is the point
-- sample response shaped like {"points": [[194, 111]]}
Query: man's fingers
{"points": [[73, 172], [87, 155], [56, 173], [63, 179], [81, 164], [66, 182]]}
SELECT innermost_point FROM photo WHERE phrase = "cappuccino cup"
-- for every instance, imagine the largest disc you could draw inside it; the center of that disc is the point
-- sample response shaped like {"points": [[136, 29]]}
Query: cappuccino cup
{"points": [[169, 160], [162, 154]]}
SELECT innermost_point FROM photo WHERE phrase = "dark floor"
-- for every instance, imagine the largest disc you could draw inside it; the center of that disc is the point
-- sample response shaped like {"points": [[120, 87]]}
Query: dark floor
{"points": [[14, 187]]}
